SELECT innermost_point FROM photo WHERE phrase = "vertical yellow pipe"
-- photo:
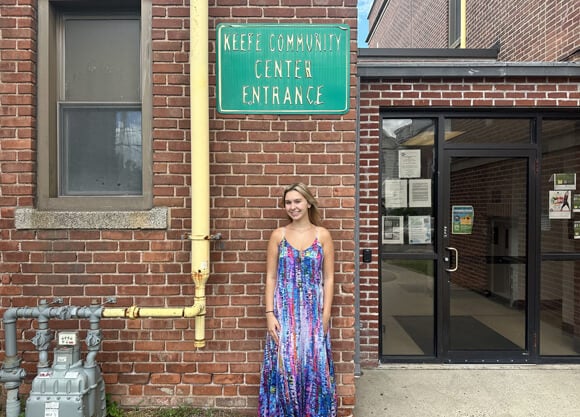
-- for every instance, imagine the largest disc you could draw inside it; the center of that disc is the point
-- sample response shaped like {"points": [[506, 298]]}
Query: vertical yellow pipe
{"points": [[463, 35], [199, 108]]}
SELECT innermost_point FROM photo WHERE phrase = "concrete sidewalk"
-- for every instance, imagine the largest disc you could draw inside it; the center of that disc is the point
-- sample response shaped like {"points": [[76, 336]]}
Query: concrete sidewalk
{"points": [[469, 391]]}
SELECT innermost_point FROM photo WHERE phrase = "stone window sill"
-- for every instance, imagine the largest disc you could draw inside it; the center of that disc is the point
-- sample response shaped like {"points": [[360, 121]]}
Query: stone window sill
{"points": [[29, 218]]}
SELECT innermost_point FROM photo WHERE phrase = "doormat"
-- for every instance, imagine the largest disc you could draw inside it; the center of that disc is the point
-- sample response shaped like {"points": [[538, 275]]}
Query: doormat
{"points": [[468, 334]]}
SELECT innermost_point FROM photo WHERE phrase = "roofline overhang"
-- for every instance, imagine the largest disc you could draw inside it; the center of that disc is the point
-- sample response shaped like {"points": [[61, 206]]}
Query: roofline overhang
{"points": [[430, 53], [444, 63]]}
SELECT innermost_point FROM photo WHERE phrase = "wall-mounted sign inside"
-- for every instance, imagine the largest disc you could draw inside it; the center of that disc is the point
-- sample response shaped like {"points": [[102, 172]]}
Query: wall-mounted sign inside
{"points": [[283, 68]]}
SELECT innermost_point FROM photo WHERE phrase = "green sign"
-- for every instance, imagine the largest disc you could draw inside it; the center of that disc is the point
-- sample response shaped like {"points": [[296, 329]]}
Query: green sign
{"points": [[283, 68]]}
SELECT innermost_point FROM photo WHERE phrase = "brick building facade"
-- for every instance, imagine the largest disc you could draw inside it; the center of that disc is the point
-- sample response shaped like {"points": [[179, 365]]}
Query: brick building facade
{"points": [[146, 262], [536, 30], [519, 77], [516, 66]]}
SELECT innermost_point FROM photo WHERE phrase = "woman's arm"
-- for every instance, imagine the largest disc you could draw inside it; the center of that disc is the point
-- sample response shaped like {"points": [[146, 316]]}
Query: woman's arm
{"points": [[328, 271], [271, 271]]}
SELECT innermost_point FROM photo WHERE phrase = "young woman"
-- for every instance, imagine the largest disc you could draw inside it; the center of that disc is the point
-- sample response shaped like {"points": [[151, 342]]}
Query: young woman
{"points": [[298, 372]]}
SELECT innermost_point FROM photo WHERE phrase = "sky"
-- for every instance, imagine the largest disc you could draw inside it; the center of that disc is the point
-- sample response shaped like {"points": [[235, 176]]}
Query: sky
{"points": [[364, 7]]}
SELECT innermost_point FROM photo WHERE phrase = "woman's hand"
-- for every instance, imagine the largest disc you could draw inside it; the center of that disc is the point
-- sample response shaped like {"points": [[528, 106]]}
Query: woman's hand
{"points": [[325, 324], [273, 326]]}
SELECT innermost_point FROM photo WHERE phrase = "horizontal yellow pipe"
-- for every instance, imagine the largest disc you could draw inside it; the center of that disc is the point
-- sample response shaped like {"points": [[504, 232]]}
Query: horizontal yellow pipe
{"points": [[135, 312], [197, 310]]}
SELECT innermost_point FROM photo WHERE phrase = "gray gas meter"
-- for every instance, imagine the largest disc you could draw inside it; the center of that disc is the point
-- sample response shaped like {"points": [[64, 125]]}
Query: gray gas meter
{"points": [[70, 388]]}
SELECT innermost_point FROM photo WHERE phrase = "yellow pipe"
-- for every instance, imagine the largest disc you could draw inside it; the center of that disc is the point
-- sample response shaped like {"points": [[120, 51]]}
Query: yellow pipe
{"points": [[135, 312], [463, 35], [200, 237], [199, 109], [197, 310]]}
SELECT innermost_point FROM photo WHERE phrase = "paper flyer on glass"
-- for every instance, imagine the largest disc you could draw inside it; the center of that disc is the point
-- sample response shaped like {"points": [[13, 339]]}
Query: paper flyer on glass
{"points": [[559, 204], [393, 231], [410, 163], [462, 220], [420, 193], [576, 203], [395, 193], [419, 230], [564, 181]]}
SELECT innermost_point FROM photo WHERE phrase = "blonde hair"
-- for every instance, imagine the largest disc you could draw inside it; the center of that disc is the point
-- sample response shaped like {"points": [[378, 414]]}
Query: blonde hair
{"points": [[313, 212]]}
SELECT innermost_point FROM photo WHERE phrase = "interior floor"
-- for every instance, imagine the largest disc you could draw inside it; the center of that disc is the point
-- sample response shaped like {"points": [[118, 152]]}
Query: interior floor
{"points": [[407, 293]]}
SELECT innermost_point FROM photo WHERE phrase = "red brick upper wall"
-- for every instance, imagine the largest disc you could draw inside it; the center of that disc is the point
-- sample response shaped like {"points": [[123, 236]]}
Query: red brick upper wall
{"points": [[409, 24], [528, 30]]}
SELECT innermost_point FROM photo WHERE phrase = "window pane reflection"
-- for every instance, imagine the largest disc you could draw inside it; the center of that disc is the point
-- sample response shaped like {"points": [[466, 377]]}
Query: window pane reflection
{"points": [[407, 199], [560, 308], [102, 151], [560, 279], [478, 131], [560, 149], [102, 59], [408, 325]]}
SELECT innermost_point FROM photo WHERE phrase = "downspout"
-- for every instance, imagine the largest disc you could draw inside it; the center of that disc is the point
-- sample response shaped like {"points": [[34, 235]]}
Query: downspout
{"points": [[463, 35], [357, 360], [199, 116]]}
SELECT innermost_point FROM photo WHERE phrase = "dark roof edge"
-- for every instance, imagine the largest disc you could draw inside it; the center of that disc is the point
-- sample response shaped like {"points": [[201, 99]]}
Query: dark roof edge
{"points": [[421, 53], [470, 69], [376, 21]]}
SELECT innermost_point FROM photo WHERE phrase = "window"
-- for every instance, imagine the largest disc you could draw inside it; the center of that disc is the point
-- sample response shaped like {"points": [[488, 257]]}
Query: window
{"points": [[407, 170], [94, 105], [455, 19], [407, 225], [560, 237]]}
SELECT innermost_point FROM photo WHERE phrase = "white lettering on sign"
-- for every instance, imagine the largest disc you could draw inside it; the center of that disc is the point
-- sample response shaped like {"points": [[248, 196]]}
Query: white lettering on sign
{"points": [[272, 68], [301, 42], [242, 42], [264, 94], [313, 42]]}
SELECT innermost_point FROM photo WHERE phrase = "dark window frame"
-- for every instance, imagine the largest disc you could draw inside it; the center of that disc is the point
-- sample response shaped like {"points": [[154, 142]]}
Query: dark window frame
{"points": [[48, 198], [455, 28]]}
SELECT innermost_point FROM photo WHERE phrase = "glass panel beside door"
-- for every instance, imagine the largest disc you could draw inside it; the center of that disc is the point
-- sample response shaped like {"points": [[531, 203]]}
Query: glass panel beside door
{"points": [[406, 238]]}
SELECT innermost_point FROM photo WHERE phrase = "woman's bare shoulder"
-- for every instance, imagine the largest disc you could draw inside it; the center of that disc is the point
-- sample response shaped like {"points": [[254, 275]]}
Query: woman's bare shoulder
{"points": [[323, 234], [277, 235]]}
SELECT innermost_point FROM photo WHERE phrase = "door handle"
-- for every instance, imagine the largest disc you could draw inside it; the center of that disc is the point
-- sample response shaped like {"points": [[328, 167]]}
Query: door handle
{"points": [[453, 269]]}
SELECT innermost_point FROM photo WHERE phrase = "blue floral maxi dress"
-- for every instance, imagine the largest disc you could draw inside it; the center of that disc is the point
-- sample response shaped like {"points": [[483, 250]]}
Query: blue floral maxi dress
{"points": [[298, 373]]}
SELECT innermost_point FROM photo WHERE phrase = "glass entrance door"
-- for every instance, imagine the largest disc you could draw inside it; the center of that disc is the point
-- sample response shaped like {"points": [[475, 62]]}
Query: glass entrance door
{"points": [[485, 255]]}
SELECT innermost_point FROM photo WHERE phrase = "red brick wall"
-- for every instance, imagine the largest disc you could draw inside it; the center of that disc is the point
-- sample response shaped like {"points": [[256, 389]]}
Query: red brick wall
{"points": [[409, 24], [377, 94], [152, 361], [528, 30]]}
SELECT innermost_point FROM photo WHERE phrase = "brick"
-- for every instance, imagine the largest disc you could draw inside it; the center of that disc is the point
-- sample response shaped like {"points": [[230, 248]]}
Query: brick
{"points": [[150, 268]]}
